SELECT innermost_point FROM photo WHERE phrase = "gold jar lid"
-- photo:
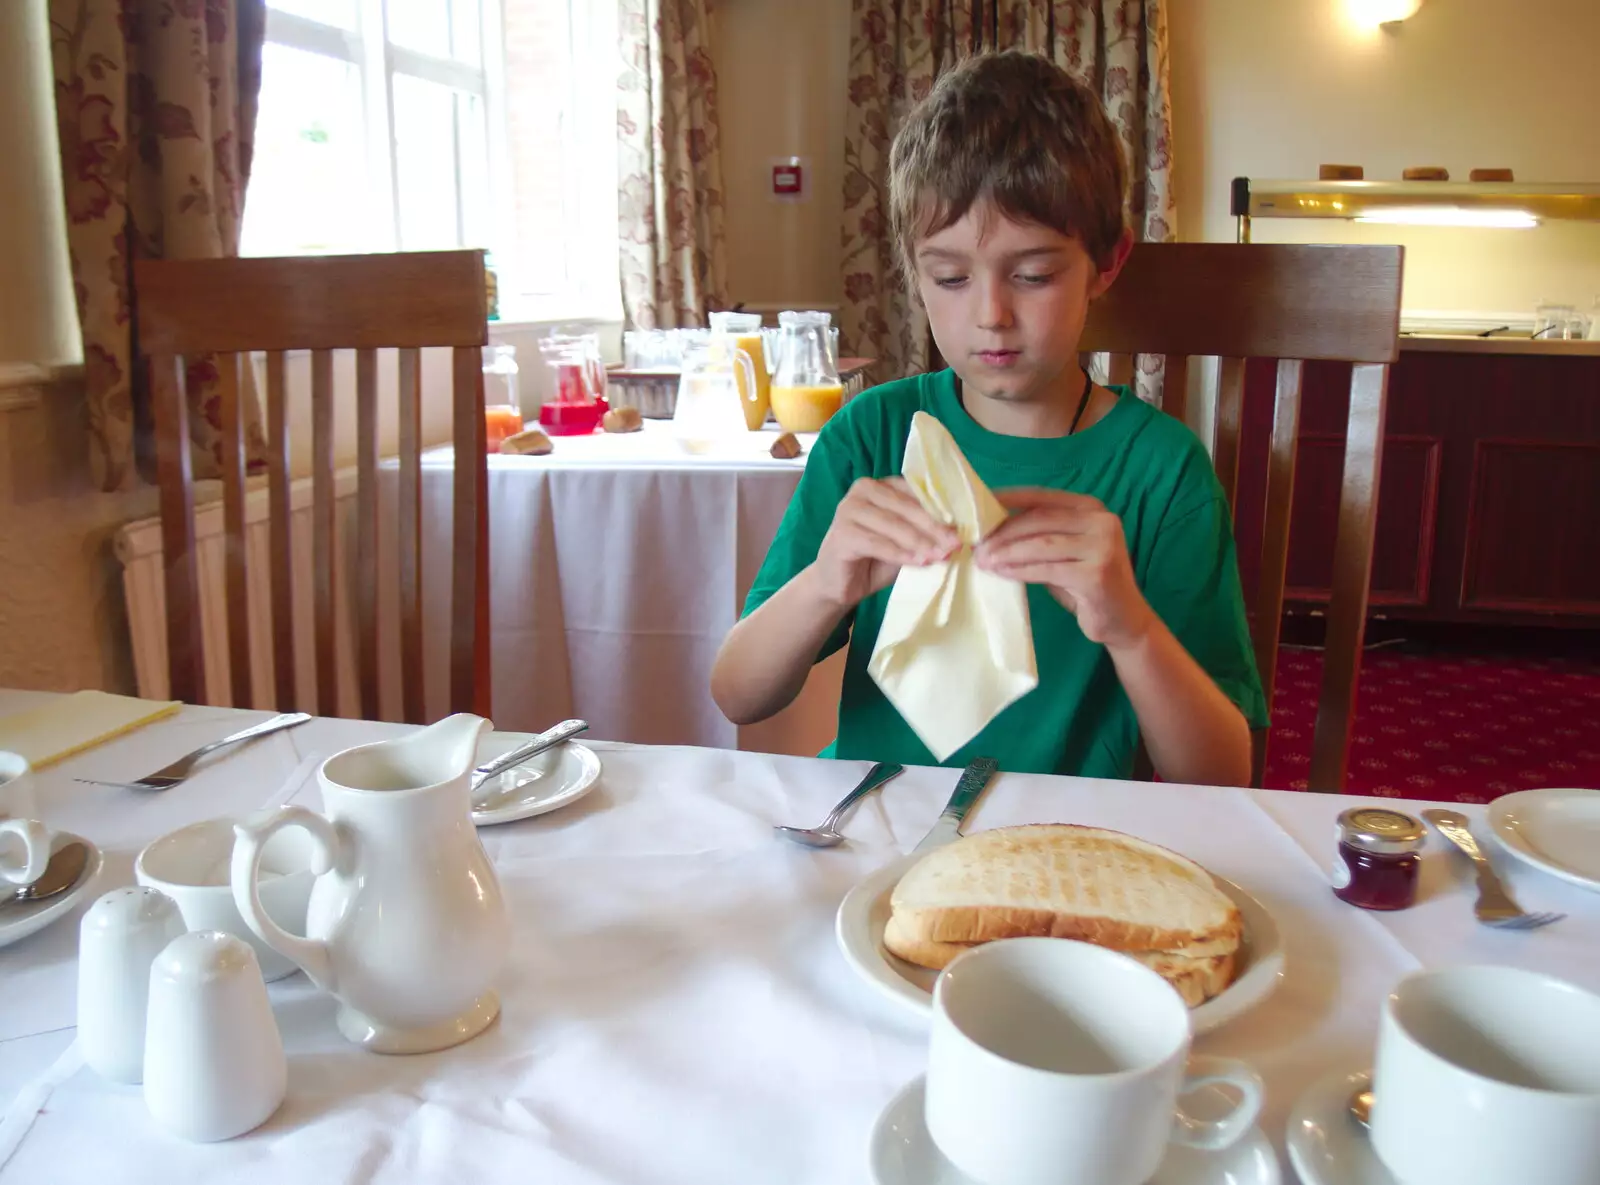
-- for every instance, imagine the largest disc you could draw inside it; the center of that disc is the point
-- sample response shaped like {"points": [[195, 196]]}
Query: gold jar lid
{"points": [[1378, 829]]}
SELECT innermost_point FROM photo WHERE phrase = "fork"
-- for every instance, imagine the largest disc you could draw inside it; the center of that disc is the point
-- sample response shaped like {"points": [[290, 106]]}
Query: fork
{"points": [[169, 776], [1494, 905]]}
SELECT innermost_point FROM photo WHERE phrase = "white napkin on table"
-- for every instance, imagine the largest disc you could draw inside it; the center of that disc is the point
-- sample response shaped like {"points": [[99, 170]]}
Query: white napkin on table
{"points": [[956, 645]]}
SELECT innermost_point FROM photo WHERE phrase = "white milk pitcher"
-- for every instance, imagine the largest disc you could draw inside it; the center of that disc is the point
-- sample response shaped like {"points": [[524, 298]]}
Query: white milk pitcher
{"points": [[406, 925]]}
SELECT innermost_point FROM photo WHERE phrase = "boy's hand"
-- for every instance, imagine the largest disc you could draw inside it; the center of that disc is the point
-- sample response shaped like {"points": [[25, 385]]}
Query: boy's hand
{"points": [[1075, 547], [878, 528]]}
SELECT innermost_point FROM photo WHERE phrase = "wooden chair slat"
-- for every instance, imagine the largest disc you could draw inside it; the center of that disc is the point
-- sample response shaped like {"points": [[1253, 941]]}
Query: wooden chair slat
{"points": [[469, 605], [1122, 369], [1175, 387], [1352, 575], [1230, 425], [408, 520], [186, 679], [280, 540], [366, 531], [322, 532], [1267, 620], [235, 553], [425, 298]]}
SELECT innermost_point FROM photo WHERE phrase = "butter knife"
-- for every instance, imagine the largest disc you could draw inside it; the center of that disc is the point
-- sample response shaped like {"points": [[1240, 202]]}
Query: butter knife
{"points": [[532, 747], [973, 780]]}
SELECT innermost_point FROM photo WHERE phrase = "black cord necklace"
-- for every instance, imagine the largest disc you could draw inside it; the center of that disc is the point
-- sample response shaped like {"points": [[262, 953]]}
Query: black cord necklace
{"points": [[1083, 403]]}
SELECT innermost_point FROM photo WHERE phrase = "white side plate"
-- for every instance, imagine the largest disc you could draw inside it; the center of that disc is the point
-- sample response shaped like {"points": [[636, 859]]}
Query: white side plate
{"points": [[548, 782], [1557, 831], [24, 918], [865, 911]]}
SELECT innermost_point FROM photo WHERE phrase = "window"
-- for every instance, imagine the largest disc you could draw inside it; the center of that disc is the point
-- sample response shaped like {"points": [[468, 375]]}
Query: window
{"points": [[416, 125]]}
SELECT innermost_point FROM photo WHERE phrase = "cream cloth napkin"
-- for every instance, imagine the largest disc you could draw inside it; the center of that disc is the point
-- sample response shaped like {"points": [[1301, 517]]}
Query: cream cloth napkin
{"points": [[73, 723], [956, 645]]}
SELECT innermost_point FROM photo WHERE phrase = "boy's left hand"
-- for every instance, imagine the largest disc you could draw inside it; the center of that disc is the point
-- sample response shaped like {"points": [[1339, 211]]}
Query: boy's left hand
{"points": [[1074, 546]]}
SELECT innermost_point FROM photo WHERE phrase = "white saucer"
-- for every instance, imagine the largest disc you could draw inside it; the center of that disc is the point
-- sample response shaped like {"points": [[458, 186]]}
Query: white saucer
{"points": [[1326, 1144], [24, 918], [865, 911], [544, 783], [902, 1153], [1557, 831]]}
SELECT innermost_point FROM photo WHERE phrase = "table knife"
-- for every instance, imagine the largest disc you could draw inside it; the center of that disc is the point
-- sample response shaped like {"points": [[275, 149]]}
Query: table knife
{"points": [[973, 780], [532, 747]]}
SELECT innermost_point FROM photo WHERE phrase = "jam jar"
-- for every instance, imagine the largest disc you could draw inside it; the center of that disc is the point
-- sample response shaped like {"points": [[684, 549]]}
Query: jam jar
{"points": [[1378, 859]]}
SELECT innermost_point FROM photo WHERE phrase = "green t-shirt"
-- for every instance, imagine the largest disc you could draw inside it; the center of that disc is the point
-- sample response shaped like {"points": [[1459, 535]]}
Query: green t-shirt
{"points": [[1145, 467]]}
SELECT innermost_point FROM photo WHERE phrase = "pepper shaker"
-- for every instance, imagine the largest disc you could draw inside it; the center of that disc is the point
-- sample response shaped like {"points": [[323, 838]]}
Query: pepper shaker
{"points": [[118, 939], [214, 1066]]}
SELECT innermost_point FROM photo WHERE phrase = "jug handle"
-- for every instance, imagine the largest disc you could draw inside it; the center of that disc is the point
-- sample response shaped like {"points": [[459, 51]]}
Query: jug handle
{"points": [[742, 359], [249, 837]]}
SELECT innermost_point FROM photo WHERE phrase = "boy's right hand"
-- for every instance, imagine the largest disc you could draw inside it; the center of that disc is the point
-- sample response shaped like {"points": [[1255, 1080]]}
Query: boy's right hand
{"points": [[878, 528]]}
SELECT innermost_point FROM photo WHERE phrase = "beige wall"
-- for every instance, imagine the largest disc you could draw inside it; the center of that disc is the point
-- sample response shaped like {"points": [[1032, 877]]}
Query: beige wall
{"points": [[781, 90], [1272, 88]]}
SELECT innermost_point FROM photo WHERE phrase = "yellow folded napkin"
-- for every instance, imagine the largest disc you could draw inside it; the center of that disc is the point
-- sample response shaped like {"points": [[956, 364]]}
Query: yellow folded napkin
{"points": [[956, 645], [58, 729]]}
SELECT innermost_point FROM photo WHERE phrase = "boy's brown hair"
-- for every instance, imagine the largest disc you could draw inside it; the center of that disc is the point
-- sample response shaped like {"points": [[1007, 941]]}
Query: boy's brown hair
{"points": [[1016, 130]]}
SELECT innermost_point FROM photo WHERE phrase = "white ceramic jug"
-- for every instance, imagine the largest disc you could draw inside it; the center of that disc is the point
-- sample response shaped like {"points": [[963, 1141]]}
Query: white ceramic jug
{"points": [[406, 925]]}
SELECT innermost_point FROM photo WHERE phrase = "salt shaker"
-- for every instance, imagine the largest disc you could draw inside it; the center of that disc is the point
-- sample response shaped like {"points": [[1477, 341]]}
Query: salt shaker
{"points": [[118, 939], [214, 1065]]}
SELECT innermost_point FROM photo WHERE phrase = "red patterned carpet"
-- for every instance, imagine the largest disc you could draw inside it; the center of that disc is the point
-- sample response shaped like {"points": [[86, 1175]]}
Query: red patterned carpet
{"points": [[1449, 727]]}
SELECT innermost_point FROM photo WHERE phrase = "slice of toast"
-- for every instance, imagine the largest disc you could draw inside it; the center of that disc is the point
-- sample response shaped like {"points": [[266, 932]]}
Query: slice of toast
{"points": [[1062, 881]]}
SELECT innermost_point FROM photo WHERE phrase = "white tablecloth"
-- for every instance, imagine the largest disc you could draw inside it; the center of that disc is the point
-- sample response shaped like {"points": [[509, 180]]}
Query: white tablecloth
{"points": [[617, 566], [675, 1011]]}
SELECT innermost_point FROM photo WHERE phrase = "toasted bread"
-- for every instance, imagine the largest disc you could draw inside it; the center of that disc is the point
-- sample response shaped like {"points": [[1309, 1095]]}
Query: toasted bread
{"points": [[1063, 881]]}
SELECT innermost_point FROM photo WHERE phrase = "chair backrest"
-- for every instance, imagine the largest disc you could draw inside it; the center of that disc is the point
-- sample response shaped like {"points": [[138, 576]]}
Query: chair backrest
{"points": [[1292, 304], [235, 307]]}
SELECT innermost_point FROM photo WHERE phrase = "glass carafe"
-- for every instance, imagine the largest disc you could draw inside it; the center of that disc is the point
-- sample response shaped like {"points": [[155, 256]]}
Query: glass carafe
{"points": [[502, 411], [806, 391], [742, 331], [578, 403], [711, 403]]}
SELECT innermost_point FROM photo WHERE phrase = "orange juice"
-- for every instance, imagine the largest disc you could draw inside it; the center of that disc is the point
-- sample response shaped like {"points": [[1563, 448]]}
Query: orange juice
{"points": [[806, 409], [755, 410], [500, 422]]}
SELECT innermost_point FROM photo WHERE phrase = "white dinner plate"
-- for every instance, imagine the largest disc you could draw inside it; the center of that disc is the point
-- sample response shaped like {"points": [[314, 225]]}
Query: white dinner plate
{"points": [[1557, 831], [1326, 1144], [24, 918], [554, 779], [865, 911], [902, 1153]]}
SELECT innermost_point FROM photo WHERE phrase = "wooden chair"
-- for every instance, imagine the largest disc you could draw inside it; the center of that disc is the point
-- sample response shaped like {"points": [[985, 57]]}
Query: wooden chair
{"points": [[1292, 304], [232, 307]]}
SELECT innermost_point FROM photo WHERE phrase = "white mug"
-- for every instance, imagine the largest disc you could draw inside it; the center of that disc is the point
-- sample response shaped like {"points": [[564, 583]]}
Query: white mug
{"points": [[1487, 1076], [16, 786], [1054, 1062], [193, 866]]}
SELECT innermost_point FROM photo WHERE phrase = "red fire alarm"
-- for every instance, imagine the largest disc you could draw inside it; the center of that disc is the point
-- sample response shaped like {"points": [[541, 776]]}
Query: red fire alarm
{"points": [[787, 180]]}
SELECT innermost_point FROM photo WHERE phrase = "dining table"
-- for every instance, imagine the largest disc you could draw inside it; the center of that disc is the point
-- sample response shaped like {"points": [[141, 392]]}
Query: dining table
{"points": [[617, 564], [676, 1010]]}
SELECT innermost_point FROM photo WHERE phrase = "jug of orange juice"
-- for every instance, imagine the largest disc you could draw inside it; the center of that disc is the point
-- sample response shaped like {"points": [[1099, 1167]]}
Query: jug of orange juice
{"points": [[806, 390], [742, 331]]}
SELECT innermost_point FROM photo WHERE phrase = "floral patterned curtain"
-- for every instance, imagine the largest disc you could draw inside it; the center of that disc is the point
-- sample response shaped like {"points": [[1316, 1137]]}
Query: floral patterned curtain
{"points": [[669, 165], [898, 48], [155, 107]]}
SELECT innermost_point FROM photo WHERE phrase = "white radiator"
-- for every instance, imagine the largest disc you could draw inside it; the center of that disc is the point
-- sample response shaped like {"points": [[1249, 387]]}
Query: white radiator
{"points": [[138, 547]]}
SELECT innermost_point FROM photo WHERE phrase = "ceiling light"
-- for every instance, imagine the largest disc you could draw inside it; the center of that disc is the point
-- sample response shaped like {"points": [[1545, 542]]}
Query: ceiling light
{"points": [[1373, 13]]}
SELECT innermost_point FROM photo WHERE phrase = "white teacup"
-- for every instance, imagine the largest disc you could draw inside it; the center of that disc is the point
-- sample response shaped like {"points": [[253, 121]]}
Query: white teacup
{"points": [[1061, 1063], [16, 786], [193, 866], [1488, 1076]]}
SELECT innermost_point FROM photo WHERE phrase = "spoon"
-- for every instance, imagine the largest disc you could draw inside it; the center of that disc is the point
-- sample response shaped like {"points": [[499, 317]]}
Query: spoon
{"points": [[1361, 1107], [826, 835], [63, 871]]}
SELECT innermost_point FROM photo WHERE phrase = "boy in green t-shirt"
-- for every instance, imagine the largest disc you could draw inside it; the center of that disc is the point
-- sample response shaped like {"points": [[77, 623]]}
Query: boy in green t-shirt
{"points": [[1006, 194]]}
